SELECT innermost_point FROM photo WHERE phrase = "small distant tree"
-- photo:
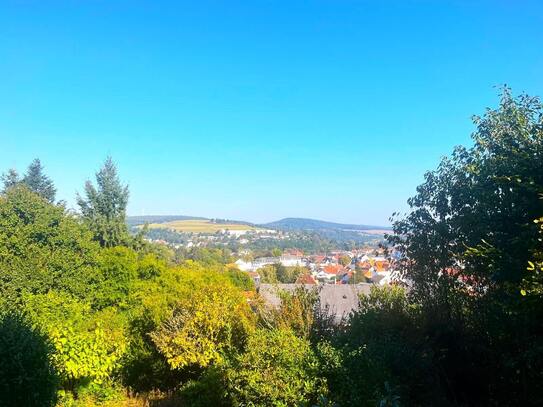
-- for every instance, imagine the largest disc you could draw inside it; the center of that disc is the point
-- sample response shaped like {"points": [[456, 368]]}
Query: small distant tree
{"points": [[10, 179], [104, 206], [37, 181], [344, 260], [268, 274]]}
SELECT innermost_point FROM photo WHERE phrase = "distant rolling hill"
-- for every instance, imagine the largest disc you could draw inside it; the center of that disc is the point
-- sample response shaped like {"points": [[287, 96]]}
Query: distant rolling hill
{"points": [[141, 220], [335, 231], [199, 226], [182, 222], [313, 224], [339, 232]]}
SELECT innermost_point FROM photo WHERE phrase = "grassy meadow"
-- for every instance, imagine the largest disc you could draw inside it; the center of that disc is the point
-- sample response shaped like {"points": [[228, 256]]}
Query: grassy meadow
{"points": [[199, 226]]}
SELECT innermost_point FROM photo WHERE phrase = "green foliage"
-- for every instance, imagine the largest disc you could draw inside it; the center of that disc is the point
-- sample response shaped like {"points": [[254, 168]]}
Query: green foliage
{"points": [[119, 269], [277, 273], [104, 206], [212, 257], [204, 326], [209, 390], [268, 274], [241, 279], [296, 313], [466, 247], [532, 285], [474, 213], [9, 179], [289, 275], [88, 345], [277, 369], [34, 179], [154, 302], [38, 182], [27, 375], [42, 247], [344, 260]]}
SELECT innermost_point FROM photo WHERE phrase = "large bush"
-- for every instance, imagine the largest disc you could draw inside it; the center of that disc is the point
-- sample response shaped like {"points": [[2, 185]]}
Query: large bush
{"points": [[27, 375], [87, 345], [204, 326], [277, 369]]}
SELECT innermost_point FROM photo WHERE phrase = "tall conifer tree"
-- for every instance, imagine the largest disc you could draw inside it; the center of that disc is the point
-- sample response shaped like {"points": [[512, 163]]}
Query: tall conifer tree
{"points": [[104, 206], [37, 181]]}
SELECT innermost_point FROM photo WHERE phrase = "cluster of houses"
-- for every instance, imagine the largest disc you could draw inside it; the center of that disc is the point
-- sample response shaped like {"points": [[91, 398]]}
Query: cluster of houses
{"points": [[341, 267], [285, 260]]}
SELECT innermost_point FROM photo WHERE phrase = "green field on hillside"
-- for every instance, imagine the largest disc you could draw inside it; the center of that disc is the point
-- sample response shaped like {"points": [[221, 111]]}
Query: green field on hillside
{"points": [[198, 226]]}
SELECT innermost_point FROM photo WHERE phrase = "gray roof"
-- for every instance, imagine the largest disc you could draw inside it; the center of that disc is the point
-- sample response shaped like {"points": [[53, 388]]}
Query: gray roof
{"points": [[340, 299]]}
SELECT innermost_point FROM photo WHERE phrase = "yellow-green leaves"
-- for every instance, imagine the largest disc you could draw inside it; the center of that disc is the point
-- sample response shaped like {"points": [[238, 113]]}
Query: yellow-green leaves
{"points": [[204, 325]]}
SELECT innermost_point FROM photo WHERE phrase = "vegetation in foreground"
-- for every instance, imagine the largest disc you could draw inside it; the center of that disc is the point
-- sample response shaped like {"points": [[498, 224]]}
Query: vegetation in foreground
{"points": [[90, 315]]}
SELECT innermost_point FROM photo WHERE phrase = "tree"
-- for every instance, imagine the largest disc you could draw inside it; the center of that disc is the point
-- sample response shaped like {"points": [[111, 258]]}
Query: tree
{"points": [[344, 260], [104, 206], [288, 275], [38, 182], [10, 179], [268, 274], [42, 247], [466, 245]]}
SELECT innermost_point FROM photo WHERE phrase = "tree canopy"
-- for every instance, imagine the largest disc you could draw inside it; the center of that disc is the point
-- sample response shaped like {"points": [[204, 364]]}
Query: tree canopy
{"points": [[104, 206]]}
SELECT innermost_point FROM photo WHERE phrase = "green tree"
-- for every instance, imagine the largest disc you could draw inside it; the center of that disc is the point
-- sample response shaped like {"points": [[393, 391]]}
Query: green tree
{"points": [[42, 247], [104, 206], [10, 179], [268, 274], [474, 213], [37, 181], [344, 260], [465, 245], [288, 275]]}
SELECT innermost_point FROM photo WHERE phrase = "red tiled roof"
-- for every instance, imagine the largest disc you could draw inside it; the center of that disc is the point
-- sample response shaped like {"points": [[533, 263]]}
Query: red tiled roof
{"points": [[333, 269], [305, 279]]}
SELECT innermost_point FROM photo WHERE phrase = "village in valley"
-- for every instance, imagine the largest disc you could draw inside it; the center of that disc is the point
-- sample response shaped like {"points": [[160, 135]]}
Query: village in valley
{"points": [[337, 267], [335, 255]]}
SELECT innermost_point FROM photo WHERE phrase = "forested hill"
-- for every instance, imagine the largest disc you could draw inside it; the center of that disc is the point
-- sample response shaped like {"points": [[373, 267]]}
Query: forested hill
{"points": [[313, 224]]}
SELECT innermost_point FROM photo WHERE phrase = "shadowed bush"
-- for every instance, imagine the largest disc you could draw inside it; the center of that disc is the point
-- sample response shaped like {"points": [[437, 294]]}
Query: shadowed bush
{"points": [[27, 377]]}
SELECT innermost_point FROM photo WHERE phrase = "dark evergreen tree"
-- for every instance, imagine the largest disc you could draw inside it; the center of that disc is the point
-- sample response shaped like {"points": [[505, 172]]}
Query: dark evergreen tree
{"points": [[10, 179], [104, 206], [37, 181]]}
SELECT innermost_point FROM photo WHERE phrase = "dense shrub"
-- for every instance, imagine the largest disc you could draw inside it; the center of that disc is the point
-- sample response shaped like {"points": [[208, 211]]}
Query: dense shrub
{"points": [[277, 369], [204, 326], [27, 375], [88, 345]]}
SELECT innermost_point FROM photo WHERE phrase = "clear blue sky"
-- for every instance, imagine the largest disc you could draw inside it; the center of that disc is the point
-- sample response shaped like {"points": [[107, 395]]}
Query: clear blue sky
{"points": [[256, 110]]}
